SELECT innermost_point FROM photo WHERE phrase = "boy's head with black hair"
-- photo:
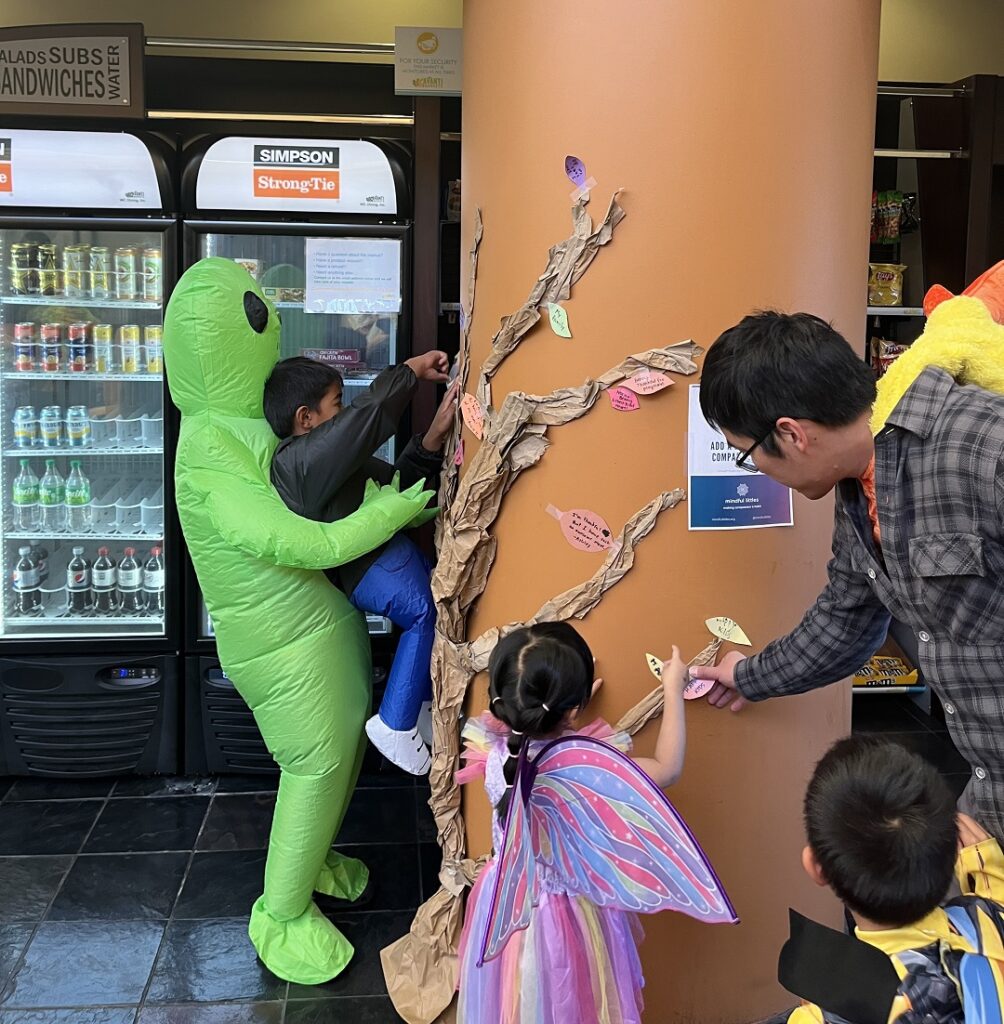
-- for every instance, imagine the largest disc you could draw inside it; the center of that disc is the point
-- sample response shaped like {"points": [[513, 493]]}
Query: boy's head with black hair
{"points": [[300, 394], [789, 392], [882, 831]]}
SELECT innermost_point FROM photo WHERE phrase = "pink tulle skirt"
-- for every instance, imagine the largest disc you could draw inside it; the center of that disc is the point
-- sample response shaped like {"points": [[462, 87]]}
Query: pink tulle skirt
{"points": [[575, 964]]}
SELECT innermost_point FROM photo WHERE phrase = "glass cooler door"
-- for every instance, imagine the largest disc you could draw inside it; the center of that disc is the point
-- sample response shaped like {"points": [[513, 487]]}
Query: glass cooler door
{"points": [[82, 430], [359, 345]]}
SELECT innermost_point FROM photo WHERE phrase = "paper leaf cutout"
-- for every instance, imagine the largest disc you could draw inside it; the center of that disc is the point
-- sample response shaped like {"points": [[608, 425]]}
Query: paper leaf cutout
{"points": [[576, 171], [694, 689], [583, 529], [697, 688], [647, 382], [458, 459], [623, 400], [474, 416], [559, 320], [727, 629]]}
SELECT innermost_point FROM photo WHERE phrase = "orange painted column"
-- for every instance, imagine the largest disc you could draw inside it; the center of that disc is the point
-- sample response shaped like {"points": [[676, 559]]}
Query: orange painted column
{"points": [[742, 136]]}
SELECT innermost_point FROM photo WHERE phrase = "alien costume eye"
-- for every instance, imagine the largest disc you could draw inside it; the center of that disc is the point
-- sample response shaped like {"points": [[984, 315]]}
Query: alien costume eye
{"points": [[256, 311]]}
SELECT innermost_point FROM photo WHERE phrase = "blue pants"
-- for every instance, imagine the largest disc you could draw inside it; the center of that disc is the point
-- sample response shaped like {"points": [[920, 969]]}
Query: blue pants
{"points": [[396, 585]]}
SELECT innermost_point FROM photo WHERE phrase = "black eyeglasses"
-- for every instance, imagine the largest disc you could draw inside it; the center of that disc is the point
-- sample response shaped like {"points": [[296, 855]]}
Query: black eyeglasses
{"points": [[745, 461]]}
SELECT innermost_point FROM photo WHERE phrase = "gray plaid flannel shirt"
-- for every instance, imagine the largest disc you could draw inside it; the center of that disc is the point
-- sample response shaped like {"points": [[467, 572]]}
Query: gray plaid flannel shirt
{"points": [[939, 481]]}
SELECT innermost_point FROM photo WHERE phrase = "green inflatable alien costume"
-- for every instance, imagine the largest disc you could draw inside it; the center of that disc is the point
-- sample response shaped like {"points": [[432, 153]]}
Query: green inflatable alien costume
{"points": [[294, 647]]}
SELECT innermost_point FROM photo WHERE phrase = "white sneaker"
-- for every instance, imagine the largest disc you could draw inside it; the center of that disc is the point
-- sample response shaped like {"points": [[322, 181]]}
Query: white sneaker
{"points": [[425, 723], [402, 747]]}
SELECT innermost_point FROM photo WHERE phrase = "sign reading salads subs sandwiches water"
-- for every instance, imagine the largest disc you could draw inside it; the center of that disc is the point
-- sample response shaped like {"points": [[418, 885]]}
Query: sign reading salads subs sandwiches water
{"points": [[72, 70]]}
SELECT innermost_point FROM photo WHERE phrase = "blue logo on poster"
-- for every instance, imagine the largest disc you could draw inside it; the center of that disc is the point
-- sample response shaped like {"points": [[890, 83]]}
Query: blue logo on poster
{"points": [[722, 503]]}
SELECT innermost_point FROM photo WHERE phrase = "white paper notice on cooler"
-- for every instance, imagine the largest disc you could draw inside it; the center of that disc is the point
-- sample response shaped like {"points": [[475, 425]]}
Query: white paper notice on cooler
{"points": [[720, 496], [353, 275]]}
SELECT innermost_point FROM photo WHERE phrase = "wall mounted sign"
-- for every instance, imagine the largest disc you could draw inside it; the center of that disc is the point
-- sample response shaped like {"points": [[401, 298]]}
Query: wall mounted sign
{"points": [[72, 70], [428, 61]]}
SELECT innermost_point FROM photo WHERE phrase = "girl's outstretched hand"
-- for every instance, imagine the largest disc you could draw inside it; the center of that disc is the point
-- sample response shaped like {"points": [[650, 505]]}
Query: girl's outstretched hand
{"points": [[675, 676]]}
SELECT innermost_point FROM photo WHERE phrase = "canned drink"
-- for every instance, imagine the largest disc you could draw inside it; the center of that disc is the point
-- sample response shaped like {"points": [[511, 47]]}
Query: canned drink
{"points": [[153, 275], [103, 335], [125, 274], [153, 341], [49, 282], [50, 426], [78, 347], [129, 343], [75, 270], [51, 347], [24, 268], [25, 427], [24, 346], [101, 272], [78, 426]]}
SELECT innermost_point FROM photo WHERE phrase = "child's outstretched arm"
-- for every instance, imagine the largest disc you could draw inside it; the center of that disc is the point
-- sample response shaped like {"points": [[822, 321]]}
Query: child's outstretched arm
{"points": [[671, 744]]}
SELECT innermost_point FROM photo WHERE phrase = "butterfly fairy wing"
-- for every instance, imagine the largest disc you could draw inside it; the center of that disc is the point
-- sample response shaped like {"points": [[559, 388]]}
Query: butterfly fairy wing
{"points": [[611, 834], [513, 894], [589, 814]]}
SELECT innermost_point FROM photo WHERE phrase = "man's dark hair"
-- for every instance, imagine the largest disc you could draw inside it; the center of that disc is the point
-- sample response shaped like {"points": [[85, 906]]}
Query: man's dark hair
{"points": [[881, 823], [292, 383], [783, 364]]}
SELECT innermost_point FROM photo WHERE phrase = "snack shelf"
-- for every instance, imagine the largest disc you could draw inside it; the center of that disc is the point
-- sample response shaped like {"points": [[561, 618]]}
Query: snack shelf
{"points": [[921, 154], [895, 311], [858, 690], [82, 300]]}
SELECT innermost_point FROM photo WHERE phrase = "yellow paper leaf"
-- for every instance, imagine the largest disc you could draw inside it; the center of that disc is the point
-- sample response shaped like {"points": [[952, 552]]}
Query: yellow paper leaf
{"points": [[654, 665], [727, 629]]}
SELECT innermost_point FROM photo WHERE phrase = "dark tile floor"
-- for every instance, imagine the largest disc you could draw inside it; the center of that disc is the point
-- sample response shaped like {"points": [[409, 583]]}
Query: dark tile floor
{"points": [[126, 902]]}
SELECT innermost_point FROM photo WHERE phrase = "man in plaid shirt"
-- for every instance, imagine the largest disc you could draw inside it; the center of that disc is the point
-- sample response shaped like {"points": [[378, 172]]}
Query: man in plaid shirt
{"points": [[918, 531]]}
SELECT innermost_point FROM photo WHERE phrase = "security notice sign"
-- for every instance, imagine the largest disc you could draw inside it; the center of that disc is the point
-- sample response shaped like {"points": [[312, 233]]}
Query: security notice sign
{"points": [[722, 497], [353, 275], [428, 61], [72, 69]]}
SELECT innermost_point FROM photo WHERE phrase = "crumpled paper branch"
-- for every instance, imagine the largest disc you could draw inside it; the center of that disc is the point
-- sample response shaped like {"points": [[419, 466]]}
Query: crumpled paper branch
{"points": [[566, 263]]}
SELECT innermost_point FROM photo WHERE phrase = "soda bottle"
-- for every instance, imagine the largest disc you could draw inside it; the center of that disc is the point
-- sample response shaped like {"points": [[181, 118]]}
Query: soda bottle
{"points": [[78, 583], [129, 583], [40, 555], [104, 578], [153, 583], [26, 514], [78, 499], [52, 498], [27, 598]]}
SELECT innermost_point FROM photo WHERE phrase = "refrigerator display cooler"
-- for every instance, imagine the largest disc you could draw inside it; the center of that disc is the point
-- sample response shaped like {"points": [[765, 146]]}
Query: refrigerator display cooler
{"points": [[321, 225], [84, 538]]}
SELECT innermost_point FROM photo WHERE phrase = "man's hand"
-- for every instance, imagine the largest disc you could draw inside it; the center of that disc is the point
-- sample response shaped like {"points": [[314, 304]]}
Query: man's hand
{"points": [[432, 366], [971, 833], [724, 691], [442, 422]]}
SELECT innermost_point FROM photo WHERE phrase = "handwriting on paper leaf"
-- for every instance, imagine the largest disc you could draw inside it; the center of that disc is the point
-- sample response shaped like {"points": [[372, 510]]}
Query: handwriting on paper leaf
{"points": [[647, 382], [559, 320], [727, 629], [576, 171], [474, 416], [694, 689], [623, 400], [583, 529], [458, 458]]}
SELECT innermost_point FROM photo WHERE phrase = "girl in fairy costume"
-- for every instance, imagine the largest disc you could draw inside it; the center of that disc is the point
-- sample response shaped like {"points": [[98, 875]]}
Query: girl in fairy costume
{"points": [[584, 840]]}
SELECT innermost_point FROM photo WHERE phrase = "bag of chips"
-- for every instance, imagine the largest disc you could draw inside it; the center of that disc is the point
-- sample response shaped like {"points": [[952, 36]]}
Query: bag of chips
{"points": [[885, 284], [885, 353]]}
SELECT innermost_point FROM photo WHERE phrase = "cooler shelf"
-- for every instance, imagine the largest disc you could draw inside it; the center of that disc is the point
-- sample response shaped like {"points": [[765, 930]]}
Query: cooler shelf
{"points": [[67, 450], [90, 620], [88, 375], [66, 535], [83, 300]]}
